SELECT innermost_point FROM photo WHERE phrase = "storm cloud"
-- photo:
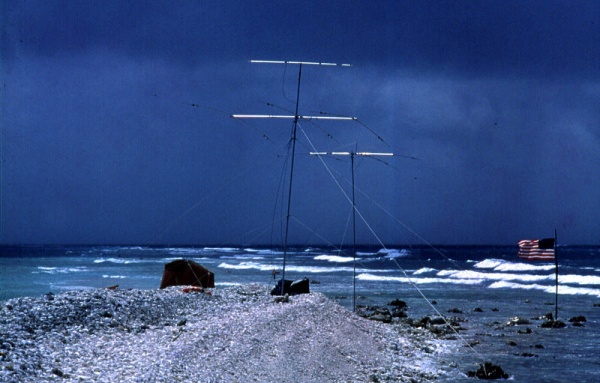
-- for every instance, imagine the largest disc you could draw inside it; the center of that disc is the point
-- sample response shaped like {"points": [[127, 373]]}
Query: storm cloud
{"points": [[116, 129]]}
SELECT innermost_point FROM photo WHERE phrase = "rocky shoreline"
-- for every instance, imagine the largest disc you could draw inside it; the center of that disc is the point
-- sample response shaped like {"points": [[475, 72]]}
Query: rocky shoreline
{"points": [[236, 334]]}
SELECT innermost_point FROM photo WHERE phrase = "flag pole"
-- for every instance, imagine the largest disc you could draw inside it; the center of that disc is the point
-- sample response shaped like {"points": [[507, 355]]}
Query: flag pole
{"points": [[556, 274]]}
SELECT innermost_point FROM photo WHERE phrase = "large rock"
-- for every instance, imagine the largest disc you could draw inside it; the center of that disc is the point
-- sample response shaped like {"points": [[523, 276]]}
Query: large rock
{"points": [[553, 324], [398, 304], [488, 371]]}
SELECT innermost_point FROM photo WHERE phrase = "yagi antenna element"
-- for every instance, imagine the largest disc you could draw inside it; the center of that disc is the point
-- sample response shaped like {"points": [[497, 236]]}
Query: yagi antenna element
{"points": [[297, 63]]}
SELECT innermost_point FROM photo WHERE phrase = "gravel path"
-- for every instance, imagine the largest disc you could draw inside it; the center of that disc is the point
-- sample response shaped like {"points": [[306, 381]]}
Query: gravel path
{"points": [[237, 334]]}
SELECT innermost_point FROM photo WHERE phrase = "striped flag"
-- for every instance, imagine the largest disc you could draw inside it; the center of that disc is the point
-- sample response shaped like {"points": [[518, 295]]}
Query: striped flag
{"points": [[542, 249]]}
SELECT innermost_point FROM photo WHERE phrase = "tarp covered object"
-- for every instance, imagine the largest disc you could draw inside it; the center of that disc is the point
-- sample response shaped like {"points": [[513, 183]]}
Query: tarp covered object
{"points": [[301, 286], [188, 273]]}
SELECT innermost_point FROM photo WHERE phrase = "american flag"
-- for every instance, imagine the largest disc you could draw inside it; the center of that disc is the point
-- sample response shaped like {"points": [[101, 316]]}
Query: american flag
{"points": [[542, 249]]}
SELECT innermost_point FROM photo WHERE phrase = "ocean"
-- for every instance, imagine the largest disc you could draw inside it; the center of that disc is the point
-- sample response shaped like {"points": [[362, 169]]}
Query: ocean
{"points": [[483, 286]]}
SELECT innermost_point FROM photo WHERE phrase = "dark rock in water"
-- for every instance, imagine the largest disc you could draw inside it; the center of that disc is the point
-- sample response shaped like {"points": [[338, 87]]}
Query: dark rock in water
{"points": [[421, 322], [398, 303], [529, 355], [547, 316], [553, 324], [488, 371], [434, 302], [478, 310], [382, 314], [526, 331], [511, 343], [377, 313], [580, 318], [596, 304], [577, 324], [381, 318], [399, 313], [517, 321], [538, 346], [455, 311], [182, 322], [437, 320], [495, 309], [473, 343]]}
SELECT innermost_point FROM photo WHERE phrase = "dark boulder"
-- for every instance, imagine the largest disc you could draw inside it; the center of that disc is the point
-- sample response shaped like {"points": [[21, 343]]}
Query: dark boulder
{"points": [[399, 313], [437, 320], [398, 303], [488, 371], [517, 321], [579, 318], [553, 324], [381, 314]]}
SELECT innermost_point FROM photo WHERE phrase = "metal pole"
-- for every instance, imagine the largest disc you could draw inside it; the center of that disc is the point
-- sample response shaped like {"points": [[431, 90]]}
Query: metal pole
{"points": [[289, 203], [354, 234], [556, 273]]}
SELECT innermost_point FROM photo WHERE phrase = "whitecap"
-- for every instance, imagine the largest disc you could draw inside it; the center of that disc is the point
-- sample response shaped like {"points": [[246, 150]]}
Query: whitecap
{"points": [[263, 251], [222, 249], [365, 254], [247, 266], [501, 265], [127, 261], [333, 258], [562, 290], [60, 270], [488, 263], [523, 267], [241, 256], [579, 279], [185, 251], [424, 270], [418, 281], [394, 253], [291, 268], [469, 274]]}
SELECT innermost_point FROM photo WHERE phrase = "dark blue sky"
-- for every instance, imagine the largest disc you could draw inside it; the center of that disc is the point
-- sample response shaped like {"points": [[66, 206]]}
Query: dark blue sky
{"points": [[498, 100]]}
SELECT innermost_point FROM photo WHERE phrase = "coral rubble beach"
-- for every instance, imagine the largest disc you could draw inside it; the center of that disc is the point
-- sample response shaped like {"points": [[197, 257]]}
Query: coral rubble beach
{"points": [[235, 334]]}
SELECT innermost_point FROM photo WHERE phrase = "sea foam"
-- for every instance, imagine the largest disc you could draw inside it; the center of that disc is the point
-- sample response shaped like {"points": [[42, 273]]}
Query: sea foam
{"points": [[333, 258], [469, 274], [500, 265]]}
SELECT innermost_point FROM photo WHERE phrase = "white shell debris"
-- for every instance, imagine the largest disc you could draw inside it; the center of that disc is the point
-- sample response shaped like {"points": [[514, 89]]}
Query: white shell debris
{"points": [[237, 334]]}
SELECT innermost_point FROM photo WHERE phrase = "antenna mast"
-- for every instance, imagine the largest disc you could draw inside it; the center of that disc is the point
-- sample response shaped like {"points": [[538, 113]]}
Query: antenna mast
{"points": [[352, 155], [295, 117]]}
